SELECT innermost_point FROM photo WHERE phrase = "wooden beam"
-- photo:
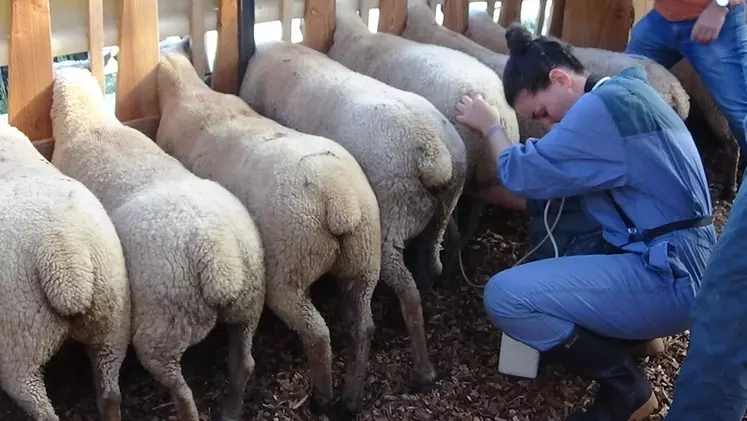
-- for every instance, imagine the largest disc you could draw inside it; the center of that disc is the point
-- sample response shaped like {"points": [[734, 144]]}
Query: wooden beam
{"points": [[392, 16], [319, 24], [226, 68], [197, 36], [556, 19], [598, 24], [96, 40], [286, 19], [30, 74], [541, 16], [137, 90], [456, 15], [510, 12]]}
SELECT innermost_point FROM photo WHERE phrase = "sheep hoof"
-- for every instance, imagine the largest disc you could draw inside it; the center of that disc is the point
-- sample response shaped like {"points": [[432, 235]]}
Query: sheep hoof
{"points": [[424, 383], [341, 412], [320, 406]]}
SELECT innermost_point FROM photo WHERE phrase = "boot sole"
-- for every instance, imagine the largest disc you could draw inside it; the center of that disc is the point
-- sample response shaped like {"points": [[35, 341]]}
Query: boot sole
{"points": [[648, 408]]}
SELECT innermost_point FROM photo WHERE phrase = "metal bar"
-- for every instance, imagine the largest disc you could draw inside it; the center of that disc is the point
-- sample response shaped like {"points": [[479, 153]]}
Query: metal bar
{"points": [[247, 45]]}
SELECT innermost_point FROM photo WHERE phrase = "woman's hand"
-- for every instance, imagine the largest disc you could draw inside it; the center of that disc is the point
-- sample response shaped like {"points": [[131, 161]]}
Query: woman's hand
{"points": [[477, 113]]}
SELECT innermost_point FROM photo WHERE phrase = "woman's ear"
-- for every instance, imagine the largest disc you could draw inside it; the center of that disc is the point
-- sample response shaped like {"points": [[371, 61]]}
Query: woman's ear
{"points": [[560, 77]]}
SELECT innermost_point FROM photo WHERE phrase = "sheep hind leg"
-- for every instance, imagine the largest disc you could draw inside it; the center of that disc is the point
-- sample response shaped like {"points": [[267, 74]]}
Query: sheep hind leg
{"points": [[396, 276], [357, 301], [167, 370], [106, 363], [240, 368], [297, 311], [29, 393], [729, 189]]}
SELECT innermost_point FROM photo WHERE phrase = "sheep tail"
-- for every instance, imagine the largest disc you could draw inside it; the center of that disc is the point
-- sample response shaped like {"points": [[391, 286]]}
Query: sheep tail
{"points": [[77, 103], [65, 272], [343, 209], [434, 161], [219, 263]]}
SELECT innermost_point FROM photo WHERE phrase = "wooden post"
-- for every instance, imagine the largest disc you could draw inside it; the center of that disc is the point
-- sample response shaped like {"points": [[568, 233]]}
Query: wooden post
{"points": [[197, 36], [556, 19], [599, 24], [319, 24], [96, 40], [541, 16], [247, 46], [286, 19], [392, 16], [30, 74], [510, 12], [456, 15], [137, 89], [226, 68]]}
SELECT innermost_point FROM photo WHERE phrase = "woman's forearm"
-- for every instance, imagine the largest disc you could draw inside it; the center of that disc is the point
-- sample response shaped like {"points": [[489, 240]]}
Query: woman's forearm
{"points": [[497, 140]]}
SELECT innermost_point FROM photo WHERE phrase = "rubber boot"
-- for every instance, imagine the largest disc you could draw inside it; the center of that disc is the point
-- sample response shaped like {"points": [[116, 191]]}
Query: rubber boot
{"points": [[625, 394]]}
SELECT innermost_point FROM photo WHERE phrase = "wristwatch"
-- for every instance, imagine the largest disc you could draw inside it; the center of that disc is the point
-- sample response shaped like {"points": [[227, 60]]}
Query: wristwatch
{"points": [[722, 3]]}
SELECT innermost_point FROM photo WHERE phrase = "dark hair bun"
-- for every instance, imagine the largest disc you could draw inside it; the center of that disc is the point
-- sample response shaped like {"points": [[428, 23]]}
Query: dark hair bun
{"points": [[518, 38]]}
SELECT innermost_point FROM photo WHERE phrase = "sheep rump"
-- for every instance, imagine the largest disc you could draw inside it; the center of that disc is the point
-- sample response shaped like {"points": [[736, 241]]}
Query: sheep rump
{"points": [[193, 254], [411, 155], [385, 57], [314, 209], [64, 265]]}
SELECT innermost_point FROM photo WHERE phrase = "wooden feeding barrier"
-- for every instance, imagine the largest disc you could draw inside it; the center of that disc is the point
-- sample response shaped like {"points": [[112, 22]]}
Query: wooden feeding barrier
{"points": [[41, 29]]}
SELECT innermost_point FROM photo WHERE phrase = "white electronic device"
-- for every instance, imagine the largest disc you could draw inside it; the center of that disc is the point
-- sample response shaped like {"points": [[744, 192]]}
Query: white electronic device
{"points": [[517, 359]]}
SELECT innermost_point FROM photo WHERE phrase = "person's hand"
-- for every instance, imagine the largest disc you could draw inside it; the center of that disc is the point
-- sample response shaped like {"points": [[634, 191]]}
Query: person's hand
{"points": [[477, 113], [709, 24]]}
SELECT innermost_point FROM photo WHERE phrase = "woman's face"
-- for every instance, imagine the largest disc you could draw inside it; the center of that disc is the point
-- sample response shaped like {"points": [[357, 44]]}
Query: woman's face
{"points": [[548, 106]]}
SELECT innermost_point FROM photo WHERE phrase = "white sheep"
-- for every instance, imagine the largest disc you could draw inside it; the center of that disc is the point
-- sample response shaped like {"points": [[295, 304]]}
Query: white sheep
{"points": [[194, 256], [63, 276], [314, 209], [412, 156], [440, 75], [486, 32], [421, 26], [678, 86]]}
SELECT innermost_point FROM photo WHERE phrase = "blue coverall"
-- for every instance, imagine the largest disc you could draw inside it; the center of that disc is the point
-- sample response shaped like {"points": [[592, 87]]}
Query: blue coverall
{"points": [[622, 137]]}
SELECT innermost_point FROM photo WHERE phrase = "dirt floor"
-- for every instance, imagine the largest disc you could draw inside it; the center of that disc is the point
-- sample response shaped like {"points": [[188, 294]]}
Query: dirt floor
{"points": [[461, 341]]}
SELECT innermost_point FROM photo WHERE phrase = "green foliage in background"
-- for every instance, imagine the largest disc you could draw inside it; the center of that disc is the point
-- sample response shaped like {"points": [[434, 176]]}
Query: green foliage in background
{"points": [[110, 80]]}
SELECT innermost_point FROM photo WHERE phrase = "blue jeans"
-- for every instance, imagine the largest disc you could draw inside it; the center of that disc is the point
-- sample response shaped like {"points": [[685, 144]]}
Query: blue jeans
{"points": [[712, 384], [721, 64]]}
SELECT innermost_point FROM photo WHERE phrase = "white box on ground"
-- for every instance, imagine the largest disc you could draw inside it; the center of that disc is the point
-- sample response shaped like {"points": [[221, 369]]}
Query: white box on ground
{"points": [[517, 359]]}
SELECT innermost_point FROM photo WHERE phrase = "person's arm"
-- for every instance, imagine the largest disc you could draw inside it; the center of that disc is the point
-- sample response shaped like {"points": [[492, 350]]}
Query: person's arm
{"points": [[495, 194], [583, 153], [710, 22]]}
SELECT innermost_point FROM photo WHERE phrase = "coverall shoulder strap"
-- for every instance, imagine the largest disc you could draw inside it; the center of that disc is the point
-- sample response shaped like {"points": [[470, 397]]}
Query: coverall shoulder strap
{"points": [[646, 235]]}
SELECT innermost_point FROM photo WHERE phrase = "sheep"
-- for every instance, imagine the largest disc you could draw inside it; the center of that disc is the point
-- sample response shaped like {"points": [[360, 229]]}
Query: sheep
{"points": [[194, 255], [442, 76], [413, 157], [63, 276], [314, 209], [678, 86], [716, 122], [421, 26]]}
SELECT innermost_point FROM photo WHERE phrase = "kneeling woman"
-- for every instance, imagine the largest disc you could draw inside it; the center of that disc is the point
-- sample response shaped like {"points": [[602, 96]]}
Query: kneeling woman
{"points": [[616, 144]]}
